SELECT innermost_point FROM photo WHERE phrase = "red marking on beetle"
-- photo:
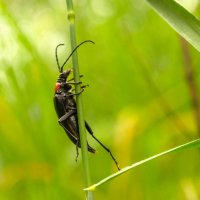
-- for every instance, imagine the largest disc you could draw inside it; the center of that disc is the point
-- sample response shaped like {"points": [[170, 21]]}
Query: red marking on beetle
{"points": [[57, 87]]}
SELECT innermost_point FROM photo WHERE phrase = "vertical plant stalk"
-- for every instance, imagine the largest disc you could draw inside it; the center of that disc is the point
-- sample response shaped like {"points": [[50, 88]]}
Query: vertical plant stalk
{"points": [[81, 122], [190, 78]]}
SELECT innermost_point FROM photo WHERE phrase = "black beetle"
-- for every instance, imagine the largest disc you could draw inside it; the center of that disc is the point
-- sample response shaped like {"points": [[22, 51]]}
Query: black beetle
{"points": [[65, 107]]}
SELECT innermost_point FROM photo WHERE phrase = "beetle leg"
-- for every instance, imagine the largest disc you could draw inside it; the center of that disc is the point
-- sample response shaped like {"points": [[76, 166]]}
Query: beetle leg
{"points": [[71, 108], [73, 78], [106, 148], [70, 134], [78, 92], [77, 153], [66, 115], [69, 95], [83, 86], [74, 83], [75, 139]]}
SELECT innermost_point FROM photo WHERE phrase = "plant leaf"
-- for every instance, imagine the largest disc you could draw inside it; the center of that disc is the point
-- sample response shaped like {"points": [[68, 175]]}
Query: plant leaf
{"points": [[179, 19], [192, 144]]}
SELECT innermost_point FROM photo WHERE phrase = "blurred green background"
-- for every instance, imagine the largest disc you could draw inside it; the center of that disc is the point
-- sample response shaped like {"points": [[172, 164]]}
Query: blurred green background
{"points": [[138, 102]]}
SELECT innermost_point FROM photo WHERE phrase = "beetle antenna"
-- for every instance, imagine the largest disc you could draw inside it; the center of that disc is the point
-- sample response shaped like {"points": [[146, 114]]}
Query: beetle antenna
{"points": [[61, 68], [56, 53]]}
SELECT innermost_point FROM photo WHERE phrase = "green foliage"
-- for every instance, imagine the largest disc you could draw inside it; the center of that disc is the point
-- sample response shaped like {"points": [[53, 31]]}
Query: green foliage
{"points": [[138, 101], [180, 19]]}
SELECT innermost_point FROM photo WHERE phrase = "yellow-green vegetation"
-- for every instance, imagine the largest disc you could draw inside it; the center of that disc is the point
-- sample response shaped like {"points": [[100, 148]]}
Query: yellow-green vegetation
{"points": [[142, 99]]}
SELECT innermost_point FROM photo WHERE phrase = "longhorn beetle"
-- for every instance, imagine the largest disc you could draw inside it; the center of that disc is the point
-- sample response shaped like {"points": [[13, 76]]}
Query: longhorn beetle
{"points": [[65, 106]]}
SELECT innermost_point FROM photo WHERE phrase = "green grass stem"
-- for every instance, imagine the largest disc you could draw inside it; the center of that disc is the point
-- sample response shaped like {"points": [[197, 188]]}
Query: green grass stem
{"points": [[81, 123]]}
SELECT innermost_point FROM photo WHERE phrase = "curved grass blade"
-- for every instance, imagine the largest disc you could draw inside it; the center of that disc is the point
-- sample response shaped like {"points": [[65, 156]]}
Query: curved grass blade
{"points": [[180, 19], [192, 144]]}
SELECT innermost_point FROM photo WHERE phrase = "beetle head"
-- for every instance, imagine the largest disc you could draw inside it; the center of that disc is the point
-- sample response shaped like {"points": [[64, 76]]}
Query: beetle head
{"points": [[61, 84], [64, 75]]}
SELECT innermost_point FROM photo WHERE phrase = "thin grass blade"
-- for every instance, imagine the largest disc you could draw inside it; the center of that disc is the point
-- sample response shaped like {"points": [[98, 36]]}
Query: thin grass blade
{"points": [[192, 144], [179, 19]]}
